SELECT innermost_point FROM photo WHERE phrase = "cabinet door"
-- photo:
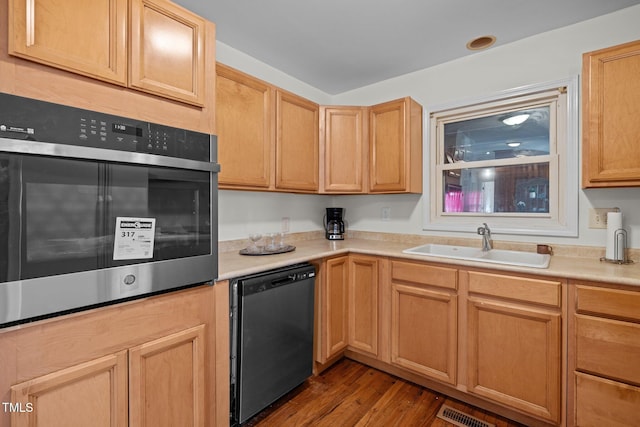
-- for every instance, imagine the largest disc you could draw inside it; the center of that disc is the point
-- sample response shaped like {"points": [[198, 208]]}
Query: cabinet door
{"points": [[602, 402], [85, 37], [297, 150], [167, 51], [363, 304], [344, 146], [93, 393], [395, 147], [424, 330], [607, 347], [611, 90], [333, 307], [244, 117], [514, 356], [167, 380]]}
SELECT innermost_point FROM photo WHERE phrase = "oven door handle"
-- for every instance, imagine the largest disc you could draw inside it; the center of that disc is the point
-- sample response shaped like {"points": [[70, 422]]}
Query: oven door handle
{"points": [[92, 153]]}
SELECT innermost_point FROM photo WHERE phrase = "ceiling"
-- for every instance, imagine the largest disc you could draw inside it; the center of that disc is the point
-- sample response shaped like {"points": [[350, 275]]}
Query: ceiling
{"points": [[339, 45]]}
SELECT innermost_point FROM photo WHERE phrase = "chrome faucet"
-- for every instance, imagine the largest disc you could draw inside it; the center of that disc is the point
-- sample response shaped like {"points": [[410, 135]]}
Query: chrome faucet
{"points": [[487, 243]]}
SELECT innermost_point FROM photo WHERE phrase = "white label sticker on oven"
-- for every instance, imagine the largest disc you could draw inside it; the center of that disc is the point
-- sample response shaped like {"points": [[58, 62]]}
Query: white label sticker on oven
{"points": [[134, 238]]}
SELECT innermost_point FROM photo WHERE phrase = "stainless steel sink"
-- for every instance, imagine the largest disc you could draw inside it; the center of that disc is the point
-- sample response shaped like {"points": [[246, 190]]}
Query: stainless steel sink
{"points": [[495, 256]]}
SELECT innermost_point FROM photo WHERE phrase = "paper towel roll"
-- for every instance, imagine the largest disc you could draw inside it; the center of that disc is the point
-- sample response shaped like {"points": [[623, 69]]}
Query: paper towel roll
{"points": [[614, 222]]}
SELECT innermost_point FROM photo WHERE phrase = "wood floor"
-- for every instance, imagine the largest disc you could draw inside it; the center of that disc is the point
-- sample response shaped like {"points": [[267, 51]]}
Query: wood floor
{"points": [[351, 394]]}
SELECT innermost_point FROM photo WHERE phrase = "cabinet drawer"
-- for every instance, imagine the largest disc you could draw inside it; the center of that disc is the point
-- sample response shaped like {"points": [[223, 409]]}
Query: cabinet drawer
{"points": [[601, 402], [608, 347], [608, 302], [424, 274], [518, 288]]}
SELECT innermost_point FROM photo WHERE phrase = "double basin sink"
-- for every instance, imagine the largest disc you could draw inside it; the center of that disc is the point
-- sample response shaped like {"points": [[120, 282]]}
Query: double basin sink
{"points": [[493, 256]]}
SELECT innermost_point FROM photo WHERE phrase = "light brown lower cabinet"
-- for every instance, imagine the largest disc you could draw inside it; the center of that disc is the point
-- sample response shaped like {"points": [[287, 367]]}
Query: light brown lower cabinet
{"points": [[167, 380], [493, 337], [92, 393], [424, 325], [605, 356], [347, 315], [514, 356], [363, 306], [150, 362], [332, 334], [602, 402], [514, 342], [162, 384]]}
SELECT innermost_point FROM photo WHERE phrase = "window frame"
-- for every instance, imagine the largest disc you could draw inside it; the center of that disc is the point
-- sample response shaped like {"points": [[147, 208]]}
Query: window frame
{"points": [[563, 160]]}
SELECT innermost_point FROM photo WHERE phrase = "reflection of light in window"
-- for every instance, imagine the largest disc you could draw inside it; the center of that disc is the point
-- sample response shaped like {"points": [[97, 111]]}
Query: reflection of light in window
{"points": [[488, 173], [515, 120]]}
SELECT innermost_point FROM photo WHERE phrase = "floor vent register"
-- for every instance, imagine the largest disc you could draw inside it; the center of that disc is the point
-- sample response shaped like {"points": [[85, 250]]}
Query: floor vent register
{"points": [[460, 419]]}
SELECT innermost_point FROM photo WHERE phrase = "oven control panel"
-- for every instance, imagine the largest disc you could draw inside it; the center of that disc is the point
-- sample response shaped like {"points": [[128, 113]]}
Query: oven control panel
{"points": [[35, 120]]}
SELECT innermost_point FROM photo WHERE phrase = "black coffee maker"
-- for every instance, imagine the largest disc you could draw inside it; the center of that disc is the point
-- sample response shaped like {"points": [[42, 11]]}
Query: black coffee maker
{"points": [[333, 224]]}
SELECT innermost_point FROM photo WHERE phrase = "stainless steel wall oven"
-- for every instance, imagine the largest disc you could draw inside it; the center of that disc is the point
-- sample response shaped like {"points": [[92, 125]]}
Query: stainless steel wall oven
{"points": [[96, 208]]}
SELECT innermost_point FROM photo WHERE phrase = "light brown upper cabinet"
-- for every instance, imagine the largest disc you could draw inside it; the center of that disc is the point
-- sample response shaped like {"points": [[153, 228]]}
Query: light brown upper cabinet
{"points": [[167, 51], [610, 126], [268, 138], [88, 38], [344, 149], [165, 54], [395, 147], [374, 149], [297, 143], [273, 140], [245, 118]]}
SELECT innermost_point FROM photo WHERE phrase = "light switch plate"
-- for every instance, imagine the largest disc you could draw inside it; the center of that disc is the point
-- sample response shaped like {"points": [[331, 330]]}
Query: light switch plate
{"points": [[598, 217]]}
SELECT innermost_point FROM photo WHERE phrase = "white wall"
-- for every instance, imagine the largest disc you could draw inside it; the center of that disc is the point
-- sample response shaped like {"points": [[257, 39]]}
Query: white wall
{"points": [[550, 56], [244, 212], [243, 62]]}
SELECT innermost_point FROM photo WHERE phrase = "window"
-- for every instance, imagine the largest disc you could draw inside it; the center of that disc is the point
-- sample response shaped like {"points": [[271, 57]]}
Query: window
{"points": [[510, 160]]}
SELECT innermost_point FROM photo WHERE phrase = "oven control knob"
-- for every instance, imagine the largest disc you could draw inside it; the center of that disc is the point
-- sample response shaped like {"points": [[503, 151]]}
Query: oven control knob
{"points": [[129, 279]]}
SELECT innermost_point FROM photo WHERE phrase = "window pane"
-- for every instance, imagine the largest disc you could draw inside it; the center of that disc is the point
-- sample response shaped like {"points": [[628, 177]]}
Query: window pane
{"points": [[488, 138], [502, 189]]}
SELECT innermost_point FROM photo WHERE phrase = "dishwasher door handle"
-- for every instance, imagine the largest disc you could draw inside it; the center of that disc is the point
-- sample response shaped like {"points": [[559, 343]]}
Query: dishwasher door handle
{"points": [[283, 281]]}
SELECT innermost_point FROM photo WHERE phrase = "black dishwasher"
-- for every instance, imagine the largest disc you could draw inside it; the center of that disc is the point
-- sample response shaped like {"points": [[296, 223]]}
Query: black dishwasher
{"points": [[271, 337]]}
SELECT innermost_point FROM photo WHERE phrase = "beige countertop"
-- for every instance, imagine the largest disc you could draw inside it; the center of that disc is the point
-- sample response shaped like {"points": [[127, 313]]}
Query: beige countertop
{"points": [[585, 267]]}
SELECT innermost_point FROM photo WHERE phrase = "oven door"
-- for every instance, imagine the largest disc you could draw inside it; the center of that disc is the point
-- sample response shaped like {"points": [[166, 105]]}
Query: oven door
{"points": [[63, 221]]}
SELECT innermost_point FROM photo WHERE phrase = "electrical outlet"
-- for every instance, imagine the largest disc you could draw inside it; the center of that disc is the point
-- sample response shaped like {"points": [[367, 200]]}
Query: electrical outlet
{"points": [[598, 217], [385, 214], [285, 224]]}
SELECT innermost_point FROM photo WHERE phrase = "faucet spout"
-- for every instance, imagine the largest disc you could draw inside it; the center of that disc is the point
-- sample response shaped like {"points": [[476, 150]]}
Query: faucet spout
{"points": [[485, 232]]}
